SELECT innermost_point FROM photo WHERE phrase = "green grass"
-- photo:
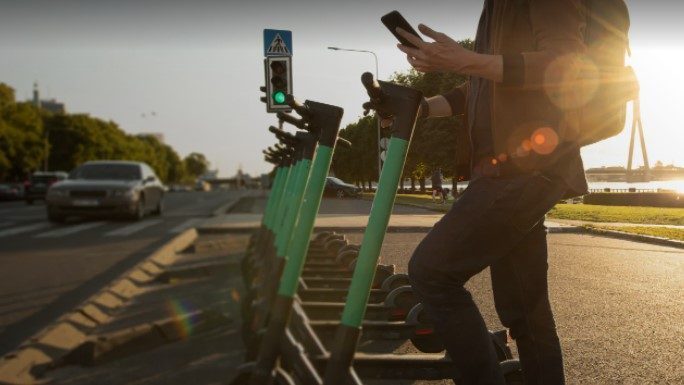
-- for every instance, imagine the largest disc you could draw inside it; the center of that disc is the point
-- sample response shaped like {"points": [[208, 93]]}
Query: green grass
{"points": [[626, 214], [662, 232], [589, 213]]}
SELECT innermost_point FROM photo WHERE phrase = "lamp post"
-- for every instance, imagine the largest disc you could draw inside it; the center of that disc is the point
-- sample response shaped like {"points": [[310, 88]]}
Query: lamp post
{"points": [[376, 78]]}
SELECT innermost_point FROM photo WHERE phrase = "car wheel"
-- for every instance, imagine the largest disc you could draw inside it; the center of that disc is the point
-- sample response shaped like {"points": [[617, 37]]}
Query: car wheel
{"points": [[339, 194], [139, 212], [54, 217], [29, 201], [160, 207]]}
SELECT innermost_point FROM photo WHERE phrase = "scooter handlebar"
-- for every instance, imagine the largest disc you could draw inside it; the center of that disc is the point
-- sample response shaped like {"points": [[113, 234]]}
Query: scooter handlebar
{"points": [[371, 85], [301, 109], [299, 123], [344, 142]]}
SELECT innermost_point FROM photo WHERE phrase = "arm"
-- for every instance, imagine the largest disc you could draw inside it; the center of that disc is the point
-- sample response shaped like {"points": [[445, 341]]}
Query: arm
{"points": [[557, 26], [558, 31]]}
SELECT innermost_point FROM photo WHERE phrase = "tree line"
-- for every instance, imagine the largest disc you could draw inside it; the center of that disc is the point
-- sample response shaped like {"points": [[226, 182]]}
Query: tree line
{"points": [[433, 144], [31, 138]]}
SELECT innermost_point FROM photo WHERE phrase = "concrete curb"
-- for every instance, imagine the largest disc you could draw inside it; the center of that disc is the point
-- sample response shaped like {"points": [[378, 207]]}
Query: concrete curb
{"points": [[49, 347], [224, 208], [110, 346], [631, 237]]}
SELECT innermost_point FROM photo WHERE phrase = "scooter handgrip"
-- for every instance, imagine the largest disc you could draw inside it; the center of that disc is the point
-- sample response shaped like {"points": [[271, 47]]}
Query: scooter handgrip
{"points": [[344, 142], [371, 85]]}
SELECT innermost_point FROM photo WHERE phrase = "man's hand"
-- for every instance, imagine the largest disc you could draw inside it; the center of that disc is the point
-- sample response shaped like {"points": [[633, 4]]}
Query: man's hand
{"points": [[446, 55]]}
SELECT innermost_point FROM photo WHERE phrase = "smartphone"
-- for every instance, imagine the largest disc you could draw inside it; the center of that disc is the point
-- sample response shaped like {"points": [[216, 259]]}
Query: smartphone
{"points": [[393, 20]]}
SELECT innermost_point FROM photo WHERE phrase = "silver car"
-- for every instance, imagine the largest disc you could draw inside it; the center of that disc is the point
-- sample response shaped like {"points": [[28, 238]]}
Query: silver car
{"points": [[106, 188]]}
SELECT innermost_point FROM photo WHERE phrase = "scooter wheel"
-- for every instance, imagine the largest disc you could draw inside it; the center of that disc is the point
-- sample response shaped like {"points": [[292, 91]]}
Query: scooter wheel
{"points": [[333, 246], [382, 273], [346, 258], [322, 237], [394, 281], [424, 337], [348, 247], [512, 372], [400, 300], [245, 374]]}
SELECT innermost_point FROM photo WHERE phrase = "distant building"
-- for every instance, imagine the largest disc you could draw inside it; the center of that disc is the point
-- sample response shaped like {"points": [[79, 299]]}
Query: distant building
{"points": [[51, 105]]}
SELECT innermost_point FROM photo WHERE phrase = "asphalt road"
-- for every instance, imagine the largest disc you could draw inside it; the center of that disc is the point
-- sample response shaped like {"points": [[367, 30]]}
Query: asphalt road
{"points": [[619, 306], [46, 269]]}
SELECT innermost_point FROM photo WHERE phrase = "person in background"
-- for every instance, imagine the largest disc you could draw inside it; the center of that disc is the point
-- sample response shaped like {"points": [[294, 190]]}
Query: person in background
{"points": [[437, 185]]}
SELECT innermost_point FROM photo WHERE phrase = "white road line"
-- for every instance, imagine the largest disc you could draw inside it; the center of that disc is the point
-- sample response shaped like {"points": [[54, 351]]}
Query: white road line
{"points": [[186, 225], [130, 229], [67, 230], [24, 229]]}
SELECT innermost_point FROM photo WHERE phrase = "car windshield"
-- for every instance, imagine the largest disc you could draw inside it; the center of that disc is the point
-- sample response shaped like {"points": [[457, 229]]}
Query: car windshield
{"points": [[335, 180], [106, 172]]}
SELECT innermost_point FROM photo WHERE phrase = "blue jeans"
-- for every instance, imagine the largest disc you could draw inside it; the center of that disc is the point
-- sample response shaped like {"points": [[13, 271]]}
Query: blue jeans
{"points": [[496, 222]]}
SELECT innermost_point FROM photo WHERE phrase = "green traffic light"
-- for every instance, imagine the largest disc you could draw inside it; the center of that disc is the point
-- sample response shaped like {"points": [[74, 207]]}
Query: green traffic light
{"points": [[279, 97]]}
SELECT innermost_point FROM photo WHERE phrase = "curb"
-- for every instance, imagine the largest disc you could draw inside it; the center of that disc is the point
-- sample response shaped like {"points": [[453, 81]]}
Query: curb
{"points": [[631, 237], [224, 208], [104, 348], [52, 345]]}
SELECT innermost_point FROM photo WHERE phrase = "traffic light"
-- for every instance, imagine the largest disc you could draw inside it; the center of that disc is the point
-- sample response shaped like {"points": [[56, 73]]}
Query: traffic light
{"points": [[278, 82]]}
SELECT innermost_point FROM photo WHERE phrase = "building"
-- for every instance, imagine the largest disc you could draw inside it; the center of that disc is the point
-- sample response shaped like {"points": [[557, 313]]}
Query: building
{"points": [[51, 105]]}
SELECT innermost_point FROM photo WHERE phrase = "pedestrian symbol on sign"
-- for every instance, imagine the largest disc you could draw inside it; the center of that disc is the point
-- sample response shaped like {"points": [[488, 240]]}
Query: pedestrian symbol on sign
{"points": [[278, 46]]}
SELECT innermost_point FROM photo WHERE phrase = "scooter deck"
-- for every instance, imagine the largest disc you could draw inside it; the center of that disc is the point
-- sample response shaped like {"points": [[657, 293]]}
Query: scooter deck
{"points": [[337, 295]]}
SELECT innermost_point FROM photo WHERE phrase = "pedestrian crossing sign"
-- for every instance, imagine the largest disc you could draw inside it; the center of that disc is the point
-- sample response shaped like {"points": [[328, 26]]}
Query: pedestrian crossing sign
{"points": [[277, 42]]}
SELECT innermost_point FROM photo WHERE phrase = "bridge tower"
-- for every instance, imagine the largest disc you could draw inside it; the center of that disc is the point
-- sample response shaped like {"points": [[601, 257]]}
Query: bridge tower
{"points": [[633, 175]]}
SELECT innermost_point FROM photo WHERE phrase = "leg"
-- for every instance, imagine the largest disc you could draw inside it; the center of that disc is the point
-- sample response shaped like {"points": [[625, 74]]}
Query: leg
{"points": [[519, 281], [485, 224]]}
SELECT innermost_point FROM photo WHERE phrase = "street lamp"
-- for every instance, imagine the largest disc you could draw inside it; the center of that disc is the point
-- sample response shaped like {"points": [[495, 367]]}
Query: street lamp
{"points": [[376, 78]]}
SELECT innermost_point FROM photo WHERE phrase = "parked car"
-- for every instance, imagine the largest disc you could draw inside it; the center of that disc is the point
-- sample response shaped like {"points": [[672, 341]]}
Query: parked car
{"points": [[202, 185], [107, 188], [38, 184], [10, 192], [338, 188]]}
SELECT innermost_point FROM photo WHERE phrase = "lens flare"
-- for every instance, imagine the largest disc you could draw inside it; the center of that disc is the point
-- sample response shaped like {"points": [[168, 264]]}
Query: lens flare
{"points": [[184, 317], [544, 140]]}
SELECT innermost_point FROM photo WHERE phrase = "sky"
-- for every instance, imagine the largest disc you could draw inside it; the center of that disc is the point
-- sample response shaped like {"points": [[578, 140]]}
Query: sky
{"points": [[199, 64]]}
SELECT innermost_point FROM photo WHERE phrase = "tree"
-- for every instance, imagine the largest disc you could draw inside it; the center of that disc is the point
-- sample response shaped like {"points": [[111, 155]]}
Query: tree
{"points": [[6, 95], [434, 140], [196, 164]]}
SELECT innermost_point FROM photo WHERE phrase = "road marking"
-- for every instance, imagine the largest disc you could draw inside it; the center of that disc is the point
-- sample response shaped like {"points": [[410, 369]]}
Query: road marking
{"points": [[67, 230], [130, 229], [186, 225], [24, 229]]}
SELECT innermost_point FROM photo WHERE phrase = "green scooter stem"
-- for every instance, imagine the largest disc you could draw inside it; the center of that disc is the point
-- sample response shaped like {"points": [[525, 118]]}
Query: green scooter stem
{"points": [[296, 252], [367, 260], [274, 196], [290, 217], [402, 103], [328, 118]]}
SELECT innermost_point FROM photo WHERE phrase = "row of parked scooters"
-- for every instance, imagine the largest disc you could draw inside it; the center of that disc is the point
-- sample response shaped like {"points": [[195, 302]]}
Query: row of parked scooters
{"points": [[312, 300]]}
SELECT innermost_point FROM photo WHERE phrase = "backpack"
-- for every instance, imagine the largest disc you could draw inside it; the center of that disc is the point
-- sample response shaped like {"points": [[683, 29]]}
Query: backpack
{"points": [[609, 84]]}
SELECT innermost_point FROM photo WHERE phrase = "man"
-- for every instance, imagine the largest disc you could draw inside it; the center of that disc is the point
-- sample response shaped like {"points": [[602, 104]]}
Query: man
{"points": [[523, 160], [437, 185]]}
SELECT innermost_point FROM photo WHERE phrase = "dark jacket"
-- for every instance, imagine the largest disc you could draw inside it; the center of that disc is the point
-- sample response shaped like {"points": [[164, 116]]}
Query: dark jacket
{"points": [[541, 42]]}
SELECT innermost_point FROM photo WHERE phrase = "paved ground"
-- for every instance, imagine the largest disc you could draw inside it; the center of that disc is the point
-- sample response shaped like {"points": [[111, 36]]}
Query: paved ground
{"points": [[619, 307], [46, 269]]}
